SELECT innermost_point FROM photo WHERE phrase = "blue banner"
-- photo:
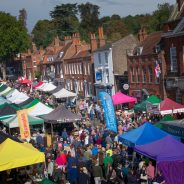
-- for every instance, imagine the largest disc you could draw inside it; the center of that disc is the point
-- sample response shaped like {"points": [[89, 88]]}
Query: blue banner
{"points": [[109, 113], [98, 76]]}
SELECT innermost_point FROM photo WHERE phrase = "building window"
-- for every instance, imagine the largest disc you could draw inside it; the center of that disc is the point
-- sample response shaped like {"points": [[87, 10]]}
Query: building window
{"points": [[81, 82], [85, 69], [66, 67], [157, 80], [138, 74], [80, 68], [106, 57], [90, 89], [133, 75], [144, 75], [173, 58], [88, 69], [77, 68], [74, 67], [106, 76], [150, 74], [99, 59]]}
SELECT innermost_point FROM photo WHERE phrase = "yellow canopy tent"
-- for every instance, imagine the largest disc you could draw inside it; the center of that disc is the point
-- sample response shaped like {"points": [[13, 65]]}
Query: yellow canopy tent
{"points": [[14, 155]]}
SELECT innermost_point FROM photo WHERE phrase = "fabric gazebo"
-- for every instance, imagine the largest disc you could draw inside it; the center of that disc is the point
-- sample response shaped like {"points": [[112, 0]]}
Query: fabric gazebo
{"points": [[61, 115], [142, 135], [169, 154], [169, 106], [153, 100], [38, 84], [63, 93], [13, 122], [120, 98], [14, 155]]}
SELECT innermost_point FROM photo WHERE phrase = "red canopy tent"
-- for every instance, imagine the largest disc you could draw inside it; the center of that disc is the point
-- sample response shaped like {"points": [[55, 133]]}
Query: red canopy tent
{"points": [[169, 106], [120, 98], [38, 84], [26, 81]]}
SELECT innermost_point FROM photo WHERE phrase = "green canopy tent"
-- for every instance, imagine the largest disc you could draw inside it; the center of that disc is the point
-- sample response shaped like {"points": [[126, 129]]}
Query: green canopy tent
{"points": [[8, 92], [13, 122], [164, 119], [31, 104], [143, 105], [7, 111], [3, 87]]}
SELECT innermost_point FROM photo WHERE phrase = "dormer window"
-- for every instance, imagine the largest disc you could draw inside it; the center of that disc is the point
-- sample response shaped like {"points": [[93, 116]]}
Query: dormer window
{"points": [[61, 54], [139, 51]]}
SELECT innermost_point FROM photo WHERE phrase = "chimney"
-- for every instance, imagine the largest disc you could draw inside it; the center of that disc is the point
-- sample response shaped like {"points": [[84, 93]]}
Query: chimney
{"points": [[67, 39], [76, 38], [93, 42], [101, 37], [34, 47], [56, 41], [78, 46], [142, 35]]}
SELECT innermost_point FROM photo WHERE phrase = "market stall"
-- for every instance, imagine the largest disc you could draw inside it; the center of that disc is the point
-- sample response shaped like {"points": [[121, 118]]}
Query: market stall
{"points": [[120, 98], [142, 135], [169, 154]]}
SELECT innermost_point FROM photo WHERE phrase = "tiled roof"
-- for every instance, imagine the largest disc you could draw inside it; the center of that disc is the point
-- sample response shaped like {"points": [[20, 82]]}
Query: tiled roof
{"points": [[81, 54], [150, 42], [64, 50]]}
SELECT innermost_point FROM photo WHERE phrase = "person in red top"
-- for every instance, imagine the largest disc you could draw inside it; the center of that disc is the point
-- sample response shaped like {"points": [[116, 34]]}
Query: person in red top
{"points": [[61, 160], [150, 170]]}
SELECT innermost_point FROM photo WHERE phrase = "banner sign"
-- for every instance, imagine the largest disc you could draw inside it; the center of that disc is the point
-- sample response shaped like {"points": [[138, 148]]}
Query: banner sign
{"points": [[98, 76], [23, 124], [109, 113]]}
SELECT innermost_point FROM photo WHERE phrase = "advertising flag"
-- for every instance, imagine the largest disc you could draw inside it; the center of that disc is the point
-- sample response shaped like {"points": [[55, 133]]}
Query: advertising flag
{"points": [[157, 70], [109, 113], [23, 124]]}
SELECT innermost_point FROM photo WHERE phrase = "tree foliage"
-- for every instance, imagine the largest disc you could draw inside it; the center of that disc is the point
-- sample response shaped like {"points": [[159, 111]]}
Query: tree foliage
{"points": [[44, 33], [23, 16], [89, 15], [160, 16], [65, 22], [65, 19], [13, 36]]}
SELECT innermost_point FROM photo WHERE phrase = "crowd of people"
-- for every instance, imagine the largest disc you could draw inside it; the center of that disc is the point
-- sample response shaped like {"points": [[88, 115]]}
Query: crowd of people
{"points": [[90, 154]]}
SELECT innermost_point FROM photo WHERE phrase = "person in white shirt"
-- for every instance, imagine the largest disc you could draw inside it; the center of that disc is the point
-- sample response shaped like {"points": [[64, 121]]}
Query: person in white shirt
{"points": [[50, 168]]}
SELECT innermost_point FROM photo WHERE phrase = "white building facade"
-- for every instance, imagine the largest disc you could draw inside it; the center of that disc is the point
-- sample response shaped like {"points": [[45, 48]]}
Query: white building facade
{"points": [[103, 66]]}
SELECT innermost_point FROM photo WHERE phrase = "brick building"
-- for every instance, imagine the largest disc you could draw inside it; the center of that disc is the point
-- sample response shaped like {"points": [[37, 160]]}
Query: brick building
{"points": [[30, 62], [72, 64], [141, 66], [173, 46]]}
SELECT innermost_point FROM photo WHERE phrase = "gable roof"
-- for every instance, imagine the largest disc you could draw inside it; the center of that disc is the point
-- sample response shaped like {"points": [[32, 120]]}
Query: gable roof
{"points": [[149, 44]]}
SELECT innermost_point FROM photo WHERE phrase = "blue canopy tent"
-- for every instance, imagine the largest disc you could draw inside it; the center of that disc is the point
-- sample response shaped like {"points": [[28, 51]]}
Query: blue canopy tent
{"points": [[144, 134]]}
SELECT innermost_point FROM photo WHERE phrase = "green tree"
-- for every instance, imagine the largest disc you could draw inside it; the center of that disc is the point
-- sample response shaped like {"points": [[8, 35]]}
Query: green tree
{"points": [[89, 15], [43, 33], [160, 16], [14, 39], [65, 19], [23, 16]]}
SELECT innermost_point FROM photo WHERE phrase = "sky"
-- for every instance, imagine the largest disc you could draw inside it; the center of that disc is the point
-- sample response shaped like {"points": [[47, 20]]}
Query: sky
{"points": [[39, 9]]}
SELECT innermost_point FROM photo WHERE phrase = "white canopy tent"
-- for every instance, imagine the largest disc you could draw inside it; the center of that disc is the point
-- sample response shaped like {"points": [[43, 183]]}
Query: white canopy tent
{"points": [[63, 93], [21, 97], [39, 109], [14, 95], [48, 87], [11, 93]]}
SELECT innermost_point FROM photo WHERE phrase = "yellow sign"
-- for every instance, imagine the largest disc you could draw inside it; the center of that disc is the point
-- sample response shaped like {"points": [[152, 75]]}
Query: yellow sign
{"points": [[23, 124]]}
